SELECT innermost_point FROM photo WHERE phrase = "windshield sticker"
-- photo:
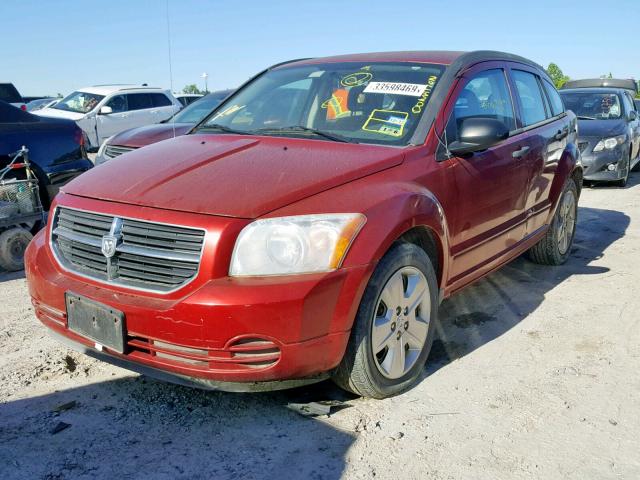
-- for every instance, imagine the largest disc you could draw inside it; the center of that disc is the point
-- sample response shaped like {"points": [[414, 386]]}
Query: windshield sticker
{"points": [[424, 97], [397, 88], [356, 79], [317, 73], [386, 122]]}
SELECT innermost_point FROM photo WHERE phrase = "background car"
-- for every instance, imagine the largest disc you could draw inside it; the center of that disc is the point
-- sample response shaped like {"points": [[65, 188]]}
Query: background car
{"points": [[179, 124], [187, 98], [9, 93], [56, 147], [104, 110], [40, 103], [608, 127]]}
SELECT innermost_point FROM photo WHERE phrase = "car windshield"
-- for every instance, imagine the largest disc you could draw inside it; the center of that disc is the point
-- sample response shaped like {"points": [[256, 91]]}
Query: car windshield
{"points": [[199, 109], [377, 103], [79, 102], [593, 105]]}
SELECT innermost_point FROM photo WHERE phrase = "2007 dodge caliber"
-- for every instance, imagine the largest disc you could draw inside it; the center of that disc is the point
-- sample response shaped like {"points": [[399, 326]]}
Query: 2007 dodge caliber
{"points": [[310, 225]]}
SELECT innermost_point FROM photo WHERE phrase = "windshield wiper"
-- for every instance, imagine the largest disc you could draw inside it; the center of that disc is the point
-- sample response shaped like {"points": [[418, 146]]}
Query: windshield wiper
{"points": [[222, 128], [584, 117], [299, 128]]}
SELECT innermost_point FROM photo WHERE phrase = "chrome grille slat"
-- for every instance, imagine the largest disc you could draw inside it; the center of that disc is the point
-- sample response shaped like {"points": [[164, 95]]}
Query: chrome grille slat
{"points": [[148, 256], [113, 151]]}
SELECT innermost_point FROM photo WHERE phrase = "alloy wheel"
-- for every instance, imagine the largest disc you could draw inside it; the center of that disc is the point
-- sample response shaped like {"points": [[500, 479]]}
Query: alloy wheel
{"points": [[401, 322], [566, 222]]}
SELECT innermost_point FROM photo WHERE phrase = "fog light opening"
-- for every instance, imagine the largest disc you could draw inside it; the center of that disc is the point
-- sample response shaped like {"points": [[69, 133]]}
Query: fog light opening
{"points": [[611, 167]]}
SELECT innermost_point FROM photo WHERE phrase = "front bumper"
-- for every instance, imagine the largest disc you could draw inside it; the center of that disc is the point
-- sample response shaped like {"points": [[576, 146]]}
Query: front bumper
{"points": [[219, 334], [595, 163]]}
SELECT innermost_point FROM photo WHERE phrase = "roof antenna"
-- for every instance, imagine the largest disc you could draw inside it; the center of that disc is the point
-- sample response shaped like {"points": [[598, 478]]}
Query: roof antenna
{"points": [[170, 68]]}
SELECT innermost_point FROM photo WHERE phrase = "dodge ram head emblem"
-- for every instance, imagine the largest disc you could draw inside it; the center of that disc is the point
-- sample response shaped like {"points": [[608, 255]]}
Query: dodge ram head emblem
{"points": [[109, 243]]}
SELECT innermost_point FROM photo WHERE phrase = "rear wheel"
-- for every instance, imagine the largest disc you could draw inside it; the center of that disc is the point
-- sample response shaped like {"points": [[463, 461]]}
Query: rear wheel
{"points": [[393, 331], [554, 248], [13, 243]]}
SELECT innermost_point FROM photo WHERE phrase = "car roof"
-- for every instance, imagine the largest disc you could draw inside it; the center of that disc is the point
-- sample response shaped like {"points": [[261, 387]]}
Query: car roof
{"points": [[593, 90], [442, 57], [109, 89]]}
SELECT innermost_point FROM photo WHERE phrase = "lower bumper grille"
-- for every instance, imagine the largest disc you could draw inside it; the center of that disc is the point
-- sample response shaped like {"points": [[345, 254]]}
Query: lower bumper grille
{"points": [[122, 251], [241, 355]]}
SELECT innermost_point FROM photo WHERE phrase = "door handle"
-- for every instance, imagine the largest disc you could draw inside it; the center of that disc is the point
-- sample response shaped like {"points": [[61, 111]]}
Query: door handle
{"points": [[521, 153], [561, 133]]}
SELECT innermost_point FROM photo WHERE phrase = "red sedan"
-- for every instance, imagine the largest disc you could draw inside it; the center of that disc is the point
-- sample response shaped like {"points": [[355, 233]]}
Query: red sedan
{"points": [[311, 225]]}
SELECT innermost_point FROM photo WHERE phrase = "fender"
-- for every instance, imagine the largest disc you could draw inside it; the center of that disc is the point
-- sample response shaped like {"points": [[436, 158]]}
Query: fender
{"points": [[567, 165], [392, 207]]}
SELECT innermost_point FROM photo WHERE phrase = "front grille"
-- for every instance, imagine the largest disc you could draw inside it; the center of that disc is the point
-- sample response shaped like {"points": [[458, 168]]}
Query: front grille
{"points": [[146, 255], [113, 151], [582, 146]]}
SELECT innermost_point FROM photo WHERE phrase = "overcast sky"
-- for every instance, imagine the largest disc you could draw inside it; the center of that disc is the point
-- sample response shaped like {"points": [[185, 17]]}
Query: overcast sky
{"points": [[59, 46]]}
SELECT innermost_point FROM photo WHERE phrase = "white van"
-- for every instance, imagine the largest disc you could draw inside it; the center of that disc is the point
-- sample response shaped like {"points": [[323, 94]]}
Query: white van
{"points": [[105, 110]]}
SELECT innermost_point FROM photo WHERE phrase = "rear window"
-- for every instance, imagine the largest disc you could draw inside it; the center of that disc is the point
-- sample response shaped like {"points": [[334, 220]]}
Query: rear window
{"points": [[557, 107], [160, 100], [530, 95], [9, 94], [139, 101]]}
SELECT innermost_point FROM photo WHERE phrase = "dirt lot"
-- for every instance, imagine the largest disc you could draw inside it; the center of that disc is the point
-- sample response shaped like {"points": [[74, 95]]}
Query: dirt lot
{"points": [[535, 376]]}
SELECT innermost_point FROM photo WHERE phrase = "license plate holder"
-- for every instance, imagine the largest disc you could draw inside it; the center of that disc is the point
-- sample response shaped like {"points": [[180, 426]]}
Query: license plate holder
{"points": [[98, 322]]}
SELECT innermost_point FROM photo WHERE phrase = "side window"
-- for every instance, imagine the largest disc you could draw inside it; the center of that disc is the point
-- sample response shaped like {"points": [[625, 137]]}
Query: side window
{"points": [[530, 97], [160, 100], [485, 95], [118, 103], [557, 106], [628, 104], [139, 101]]}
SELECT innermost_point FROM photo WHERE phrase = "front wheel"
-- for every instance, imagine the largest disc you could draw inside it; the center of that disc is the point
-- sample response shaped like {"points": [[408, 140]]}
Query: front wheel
{"points": [[623, 181], [554, 248], [394, 327]]}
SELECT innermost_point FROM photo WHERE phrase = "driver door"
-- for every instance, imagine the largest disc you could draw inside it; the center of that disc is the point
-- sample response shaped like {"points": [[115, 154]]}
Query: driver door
{"points": [[491, 184], [111, 123]]}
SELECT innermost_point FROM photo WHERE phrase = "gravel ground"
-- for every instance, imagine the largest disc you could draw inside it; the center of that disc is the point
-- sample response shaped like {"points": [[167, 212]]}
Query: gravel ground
{"points": [[535, 375]]}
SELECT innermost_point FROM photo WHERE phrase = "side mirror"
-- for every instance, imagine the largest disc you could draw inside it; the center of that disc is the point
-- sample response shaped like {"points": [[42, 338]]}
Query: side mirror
{"points": [[106, 110], [477, 134], [633, 115]]}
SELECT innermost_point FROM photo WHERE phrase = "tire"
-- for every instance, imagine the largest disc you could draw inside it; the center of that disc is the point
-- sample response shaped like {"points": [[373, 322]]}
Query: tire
{"points": [[361, 371], [13, 243], [554, 248], [623, 181]]}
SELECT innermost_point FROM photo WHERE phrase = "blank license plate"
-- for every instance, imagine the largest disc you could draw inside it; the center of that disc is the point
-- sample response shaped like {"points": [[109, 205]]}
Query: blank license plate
{"points": [[96, 321]]}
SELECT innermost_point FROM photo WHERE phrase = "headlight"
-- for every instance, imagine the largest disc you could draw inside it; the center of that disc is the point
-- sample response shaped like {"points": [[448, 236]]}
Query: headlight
{"points": [[610, 143], [300, 244]]}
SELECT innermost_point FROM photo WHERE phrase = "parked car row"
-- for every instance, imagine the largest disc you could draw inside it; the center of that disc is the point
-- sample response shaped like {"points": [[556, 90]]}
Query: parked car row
{"points": [[309, 225], [105, 110], [178, 124]]}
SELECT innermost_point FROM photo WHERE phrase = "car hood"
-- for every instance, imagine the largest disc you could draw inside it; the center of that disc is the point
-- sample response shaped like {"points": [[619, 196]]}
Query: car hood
{"points": [[142, 136], [56, 113], [601, 128], [230, 175]]}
